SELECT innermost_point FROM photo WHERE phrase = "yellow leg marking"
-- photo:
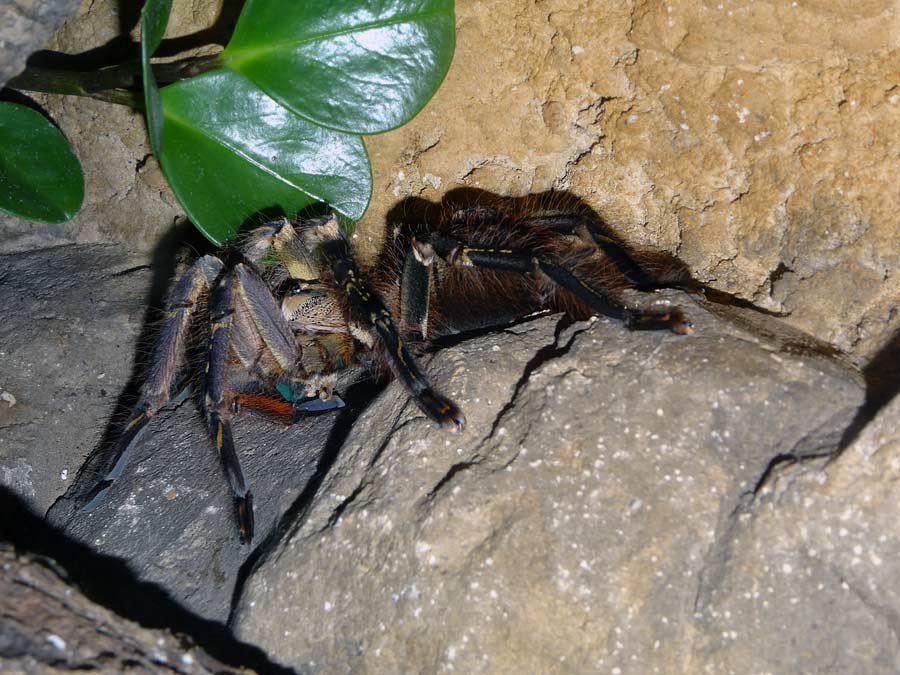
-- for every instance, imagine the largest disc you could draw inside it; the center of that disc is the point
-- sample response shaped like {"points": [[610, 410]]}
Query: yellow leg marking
{"points": [[135, 420], [219, 437]]}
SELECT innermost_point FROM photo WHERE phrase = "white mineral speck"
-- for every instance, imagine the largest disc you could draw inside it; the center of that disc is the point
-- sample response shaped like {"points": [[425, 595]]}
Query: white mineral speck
{"points": [[786, 568], [187, 659], [742, 115], [56, 641], [64, 474], [328, 606], [577, 49]]}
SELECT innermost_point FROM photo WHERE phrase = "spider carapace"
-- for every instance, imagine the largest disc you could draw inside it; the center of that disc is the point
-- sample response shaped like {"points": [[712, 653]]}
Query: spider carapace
{"points": [[292, 309]]}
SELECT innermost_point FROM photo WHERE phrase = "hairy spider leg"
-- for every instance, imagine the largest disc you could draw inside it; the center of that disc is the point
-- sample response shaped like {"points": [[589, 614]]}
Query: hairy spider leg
{"points": [[615, 251], [368, 310], [415, 291], [245, 322], [217, 403], [525, 261], [168, 355]]}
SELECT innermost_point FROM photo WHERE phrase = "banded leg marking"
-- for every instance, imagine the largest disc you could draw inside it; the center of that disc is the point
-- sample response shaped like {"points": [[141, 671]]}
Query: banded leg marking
{"points": [[526, 262], [367, 308], [217, 402]]}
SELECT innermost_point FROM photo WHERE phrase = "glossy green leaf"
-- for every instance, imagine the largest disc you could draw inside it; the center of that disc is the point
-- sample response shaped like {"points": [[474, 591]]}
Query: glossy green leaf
{"points": [[154, 18], [232, 152], [40, 176], [356, 65]]}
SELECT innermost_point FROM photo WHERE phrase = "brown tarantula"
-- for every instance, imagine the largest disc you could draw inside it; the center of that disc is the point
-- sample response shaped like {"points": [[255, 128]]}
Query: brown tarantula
{"points": [[292, 309]]}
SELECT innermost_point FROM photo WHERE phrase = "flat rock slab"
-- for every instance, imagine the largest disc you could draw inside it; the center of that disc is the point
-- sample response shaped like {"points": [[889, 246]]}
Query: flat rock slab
{"points": [[577, 525], [171, 515]]}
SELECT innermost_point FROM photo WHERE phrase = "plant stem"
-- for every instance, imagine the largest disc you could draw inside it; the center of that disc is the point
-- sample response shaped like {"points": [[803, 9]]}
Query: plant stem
{"points": [[113, 84]]}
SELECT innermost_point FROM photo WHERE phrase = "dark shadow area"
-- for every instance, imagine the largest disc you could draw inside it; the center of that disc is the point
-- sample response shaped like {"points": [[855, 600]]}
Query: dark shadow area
{"points": [[122, 49], [882, 377], [108, 582], [13, 96]]}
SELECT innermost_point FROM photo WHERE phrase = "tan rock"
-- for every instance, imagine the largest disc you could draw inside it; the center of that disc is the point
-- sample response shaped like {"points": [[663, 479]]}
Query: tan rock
{"points": [[756, 141]]}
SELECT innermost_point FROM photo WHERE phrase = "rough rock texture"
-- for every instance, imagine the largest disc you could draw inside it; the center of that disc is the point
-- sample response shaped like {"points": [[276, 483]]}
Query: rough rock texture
{"points": [[25, 26], [72, 318], [573, 527], [811, 581], [48, 626], [64, 362], [756, 140], [602, 510]]}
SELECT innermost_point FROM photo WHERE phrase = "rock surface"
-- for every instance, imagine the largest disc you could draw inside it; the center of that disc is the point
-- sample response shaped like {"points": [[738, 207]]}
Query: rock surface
{"points": [[73, 316], [576, 524], [614, 503], [811, 581], [47, 626], [754, 140], [65, 360], [26, 26]]}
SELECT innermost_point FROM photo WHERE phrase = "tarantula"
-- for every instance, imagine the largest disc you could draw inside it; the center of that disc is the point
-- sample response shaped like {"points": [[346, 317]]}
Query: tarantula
{"points": [[291, 309]]}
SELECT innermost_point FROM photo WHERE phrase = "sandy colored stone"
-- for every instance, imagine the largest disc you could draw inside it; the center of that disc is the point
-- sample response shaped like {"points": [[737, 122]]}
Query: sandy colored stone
{"points": [[757, 141]]}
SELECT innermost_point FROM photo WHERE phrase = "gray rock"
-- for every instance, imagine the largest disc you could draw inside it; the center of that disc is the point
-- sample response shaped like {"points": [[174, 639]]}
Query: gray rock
{"points": [[26, 26], [72, 315], [572, 527], [812, 583], [49, 626], [77, 318]]}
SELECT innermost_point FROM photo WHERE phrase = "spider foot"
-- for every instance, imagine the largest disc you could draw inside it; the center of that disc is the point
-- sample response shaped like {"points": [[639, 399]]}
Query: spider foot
{"points": [[673, 319], [441, 410], [244, 508]]}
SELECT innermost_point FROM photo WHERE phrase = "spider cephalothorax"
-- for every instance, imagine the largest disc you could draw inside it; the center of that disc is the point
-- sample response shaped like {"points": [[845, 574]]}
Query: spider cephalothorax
{"points": [[293, 309]]}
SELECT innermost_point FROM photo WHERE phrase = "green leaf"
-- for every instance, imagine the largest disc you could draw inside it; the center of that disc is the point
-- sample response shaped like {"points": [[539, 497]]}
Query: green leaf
{"points": [[154, 18], [40, 177], [232, 153], [355, 65]]}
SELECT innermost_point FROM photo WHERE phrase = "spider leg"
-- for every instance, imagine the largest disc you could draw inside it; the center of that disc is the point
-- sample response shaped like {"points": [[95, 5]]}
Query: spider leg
{"points": [[621, 257], [368, 313], [568, 223], [168, 355], [246, 322], [525, 261], [217, 401], [415, 290]]}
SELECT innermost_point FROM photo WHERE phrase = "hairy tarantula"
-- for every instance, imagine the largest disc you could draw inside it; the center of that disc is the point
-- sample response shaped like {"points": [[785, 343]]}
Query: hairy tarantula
{"points": [[291, 309]]}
